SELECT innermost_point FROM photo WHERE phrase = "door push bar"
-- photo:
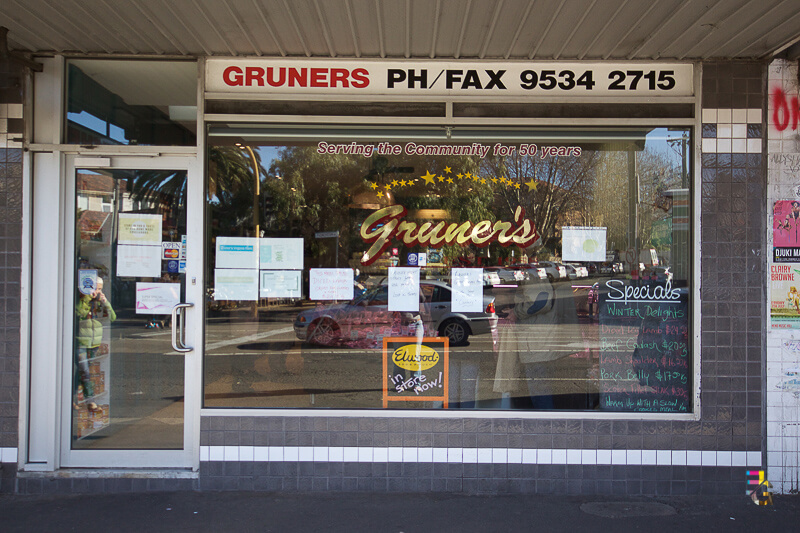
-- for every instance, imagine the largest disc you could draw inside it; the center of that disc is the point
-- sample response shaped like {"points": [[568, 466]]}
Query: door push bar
{"points": [[178, 331]]}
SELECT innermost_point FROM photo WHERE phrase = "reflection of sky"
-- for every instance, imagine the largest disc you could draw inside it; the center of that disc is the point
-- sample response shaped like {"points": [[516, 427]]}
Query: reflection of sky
{"points": [[95, 124], [267, 154], [657, 141]]}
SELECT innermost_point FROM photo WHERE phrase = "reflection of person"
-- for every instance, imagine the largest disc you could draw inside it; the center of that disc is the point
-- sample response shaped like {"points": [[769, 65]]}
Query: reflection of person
{"points": [[89, 337], [794, 298]]}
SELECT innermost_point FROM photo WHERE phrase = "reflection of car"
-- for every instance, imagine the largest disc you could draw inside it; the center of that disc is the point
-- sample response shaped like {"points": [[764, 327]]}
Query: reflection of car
{"points": [[657, 273], [368, 319], [580, 270], [491, 278], [507, 275], [554, 271]]}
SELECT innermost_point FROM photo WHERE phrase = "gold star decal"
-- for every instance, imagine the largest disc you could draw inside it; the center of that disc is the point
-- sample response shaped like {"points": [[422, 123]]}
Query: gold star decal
{"points": [[394, 183], [428, 177], [388, 187], [483, 180], [503, 179], [460, 175], [532, 185], [447, 169], [402, 183], [516, 185], [449, 180], [380, 194], [468, 175], [495, 180], [474, 177], [441, 178], [373, 185]]}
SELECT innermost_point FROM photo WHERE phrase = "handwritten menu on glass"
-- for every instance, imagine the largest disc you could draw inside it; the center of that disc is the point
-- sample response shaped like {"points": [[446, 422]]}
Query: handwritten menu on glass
{"points": [[644, 347], [331, 284], [467, 290], [403, 289]]}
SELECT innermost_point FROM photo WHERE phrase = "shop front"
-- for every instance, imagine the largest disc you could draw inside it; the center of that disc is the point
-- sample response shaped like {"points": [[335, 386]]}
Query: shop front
{"points": [[378, 275]]}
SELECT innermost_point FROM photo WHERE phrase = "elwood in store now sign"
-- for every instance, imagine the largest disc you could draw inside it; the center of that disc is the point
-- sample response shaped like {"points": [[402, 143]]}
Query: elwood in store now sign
{"points": [[434, 78]]}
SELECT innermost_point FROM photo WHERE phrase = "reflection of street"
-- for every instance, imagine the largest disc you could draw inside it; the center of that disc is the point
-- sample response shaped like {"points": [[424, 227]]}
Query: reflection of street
{"points": [[263, 364]]}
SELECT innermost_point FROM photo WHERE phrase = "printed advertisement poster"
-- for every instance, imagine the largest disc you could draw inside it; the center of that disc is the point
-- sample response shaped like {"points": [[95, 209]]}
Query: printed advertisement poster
{"points": [[87, 281], [281, 254], [416, 369], [583, 243], [157, 298], [786, 231], [280, 284], [331, 284], [138, 261], [136, 228], [467, 290], [237, 252], [236, 284], [785, 296], [403, 289]]}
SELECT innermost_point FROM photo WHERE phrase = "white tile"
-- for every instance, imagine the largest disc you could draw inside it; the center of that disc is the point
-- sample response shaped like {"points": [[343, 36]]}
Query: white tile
{"points": [[381, 454], [246, 453], [573, 457], [216, 453], [261, 454], [409, 455], [753, 146], [10, 455], [694, 458], [633, 457], [204, 454], [679, 458], [724, 116], [709, 458], [739, 116], [3, 125], [484, 455], [499, 455], [709, 146], [231, 453], [514, 456], [739, 131], [604, 457], [774, 146], [559, 457], [724, 458], [3, 110], [305, 454], [723, 146], [425, 455], [724, 131], [276, 453], [739, 146], [543, 456], [365, 454], [291, 453], [440, 455], [14, 110], [395, 454], [648, 457], [461, 455], [618, 457], [709, 116], [589, 457], [754, 116], [350, 454], [321, 454], [663, 457]]}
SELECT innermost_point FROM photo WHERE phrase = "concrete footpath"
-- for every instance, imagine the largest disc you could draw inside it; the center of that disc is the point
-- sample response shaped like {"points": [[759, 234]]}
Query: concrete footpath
{"points": [[392, 513]]}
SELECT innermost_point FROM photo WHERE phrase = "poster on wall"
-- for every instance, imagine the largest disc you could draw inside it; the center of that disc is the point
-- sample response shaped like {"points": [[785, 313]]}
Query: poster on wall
{"points": [[138, 261], [157, 298], [236, 284], [786, 231], [281, 254], [280, 284], [416, 370], [136, 228], [331, 284], [237, 252], [403, 289], [583, 243], [785, 296]]}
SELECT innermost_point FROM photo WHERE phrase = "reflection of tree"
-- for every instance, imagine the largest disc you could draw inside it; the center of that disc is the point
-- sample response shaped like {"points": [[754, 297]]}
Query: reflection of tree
{"points": [[231, 188]]}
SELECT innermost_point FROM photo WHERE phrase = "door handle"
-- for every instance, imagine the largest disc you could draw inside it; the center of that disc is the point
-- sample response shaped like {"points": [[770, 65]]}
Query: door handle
{"points": [[178, 323]]}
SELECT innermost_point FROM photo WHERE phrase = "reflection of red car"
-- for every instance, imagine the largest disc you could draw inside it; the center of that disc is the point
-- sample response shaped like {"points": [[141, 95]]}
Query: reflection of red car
{"points": [[365, 320]]}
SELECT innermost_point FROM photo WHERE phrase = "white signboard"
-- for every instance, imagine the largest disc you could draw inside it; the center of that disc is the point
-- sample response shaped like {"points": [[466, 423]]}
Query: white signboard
{"points": [[136, 228], [583, 243], [422, 259], [452, 78], [87, 281], [138, 261], [331, 284], [467, 284], [237, 252], [403, 289], [157, 298], [280, 284], [281, 254], [170, 250], [236, 284]]}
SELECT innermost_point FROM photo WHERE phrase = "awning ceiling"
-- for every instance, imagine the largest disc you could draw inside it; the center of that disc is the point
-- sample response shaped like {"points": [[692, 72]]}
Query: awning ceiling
{"points": [[440, 29]]}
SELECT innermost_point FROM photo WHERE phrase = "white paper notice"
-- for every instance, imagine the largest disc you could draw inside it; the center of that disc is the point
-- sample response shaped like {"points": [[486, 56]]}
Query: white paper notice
{"points": [[157, 298], [331, 284], [467, 290], [403, 289], [136, 228], [280, 284], [236, 284], [583, 243], [281, 254], [138, 261], [422, 259], [237, 252]]}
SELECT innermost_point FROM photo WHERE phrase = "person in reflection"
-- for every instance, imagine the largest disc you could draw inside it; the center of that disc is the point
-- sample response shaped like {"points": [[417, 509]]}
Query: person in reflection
{"points": [[89, 338]]}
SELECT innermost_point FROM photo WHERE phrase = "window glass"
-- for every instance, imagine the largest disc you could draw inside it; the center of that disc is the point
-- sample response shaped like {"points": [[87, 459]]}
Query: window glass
{"points": [[131, 102], [512, 269]]}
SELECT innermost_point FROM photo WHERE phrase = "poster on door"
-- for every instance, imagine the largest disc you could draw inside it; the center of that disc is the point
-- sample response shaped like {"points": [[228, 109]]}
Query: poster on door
{"points": [[786, 231]]}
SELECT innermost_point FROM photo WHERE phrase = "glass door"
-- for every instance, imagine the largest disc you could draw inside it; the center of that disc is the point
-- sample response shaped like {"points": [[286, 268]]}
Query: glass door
{"points": [[130, 321]]}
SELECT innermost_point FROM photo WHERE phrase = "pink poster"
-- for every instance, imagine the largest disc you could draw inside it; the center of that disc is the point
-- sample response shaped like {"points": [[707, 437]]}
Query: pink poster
{"points": [[786, 231]]}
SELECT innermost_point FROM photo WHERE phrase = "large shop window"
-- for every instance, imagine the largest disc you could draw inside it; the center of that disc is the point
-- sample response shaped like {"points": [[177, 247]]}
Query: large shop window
{"points": [[449, 269]]}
